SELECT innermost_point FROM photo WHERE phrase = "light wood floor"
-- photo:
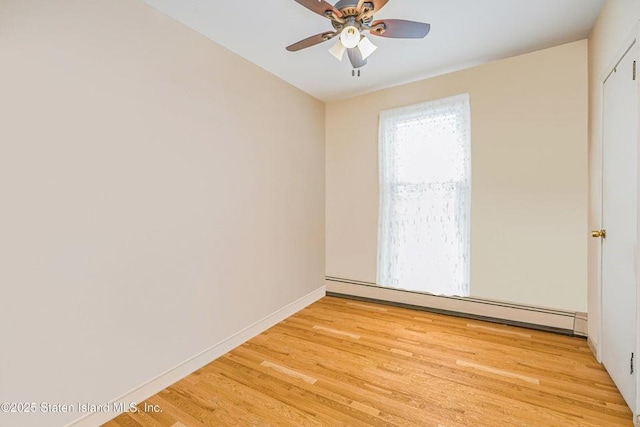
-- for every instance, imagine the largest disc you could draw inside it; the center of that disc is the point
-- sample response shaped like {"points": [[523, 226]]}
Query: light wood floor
{"points": [[347, 363]]}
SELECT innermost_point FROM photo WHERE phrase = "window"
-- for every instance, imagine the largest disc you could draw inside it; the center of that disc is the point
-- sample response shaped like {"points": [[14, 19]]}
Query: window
{"points": [[425, 189]]}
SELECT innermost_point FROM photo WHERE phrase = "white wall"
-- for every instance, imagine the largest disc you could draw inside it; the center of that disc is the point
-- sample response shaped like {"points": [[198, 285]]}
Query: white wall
{"points": [[529, 182], [158, 194], [614, 25]]}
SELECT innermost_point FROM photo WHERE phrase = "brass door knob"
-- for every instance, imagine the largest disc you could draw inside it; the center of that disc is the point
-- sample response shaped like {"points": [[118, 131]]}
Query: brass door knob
{"points": [[599, 234]]}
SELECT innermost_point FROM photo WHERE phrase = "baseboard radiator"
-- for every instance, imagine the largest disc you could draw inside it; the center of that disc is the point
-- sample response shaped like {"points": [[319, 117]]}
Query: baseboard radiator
{"points": [[558, 321]]}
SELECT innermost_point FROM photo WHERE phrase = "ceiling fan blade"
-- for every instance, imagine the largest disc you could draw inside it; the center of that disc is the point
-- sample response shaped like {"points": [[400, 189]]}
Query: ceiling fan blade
{"points": [[401, 29], [356, 58], [377, 4], [311, 41], [320, 7]]}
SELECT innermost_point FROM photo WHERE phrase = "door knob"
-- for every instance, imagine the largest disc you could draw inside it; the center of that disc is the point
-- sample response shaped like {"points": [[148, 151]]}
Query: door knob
{"points": [[599, 234]]}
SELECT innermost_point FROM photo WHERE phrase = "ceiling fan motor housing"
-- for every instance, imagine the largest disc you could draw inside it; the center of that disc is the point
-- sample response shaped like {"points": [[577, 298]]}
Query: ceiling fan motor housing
{"points": [[351, 16], [347, 7], [350, 7]]}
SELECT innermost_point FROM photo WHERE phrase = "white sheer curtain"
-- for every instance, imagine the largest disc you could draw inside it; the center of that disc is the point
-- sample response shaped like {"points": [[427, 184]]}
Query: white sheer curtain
{"points": [[425, 174]]}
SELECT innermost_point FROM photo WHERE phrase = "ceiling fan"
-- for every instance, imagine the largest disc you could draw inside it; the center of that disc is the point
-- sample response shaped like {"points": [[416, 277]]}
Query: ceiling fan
{"points": [[351, 17]]}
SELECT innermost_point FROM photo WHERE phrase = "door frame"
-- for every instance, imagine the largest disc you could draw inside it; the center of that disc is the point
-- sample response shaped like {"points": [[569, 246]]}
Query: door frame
{"points": [[630, 41]]}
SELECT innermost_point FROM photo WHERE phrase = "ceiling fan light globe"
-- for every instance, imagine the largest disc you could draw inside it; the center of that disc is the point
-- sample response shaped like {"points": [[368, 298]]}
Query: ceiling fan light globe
{"points": [[338, 50], [366, 47], [350, 37]]}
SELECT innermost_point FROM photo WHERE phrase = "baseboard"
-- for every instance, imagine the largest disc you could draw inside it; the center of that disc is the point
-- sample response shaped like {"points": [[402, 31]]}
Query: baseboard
{"points": [[581, 325], [559, 321], [162, 381], [594, 348]]}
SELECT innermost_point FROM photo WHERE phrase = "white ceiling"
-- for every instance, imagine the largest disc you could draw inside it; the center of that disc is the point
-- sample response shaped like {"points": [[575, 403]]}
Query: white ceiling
{"points": [[464, 33]]}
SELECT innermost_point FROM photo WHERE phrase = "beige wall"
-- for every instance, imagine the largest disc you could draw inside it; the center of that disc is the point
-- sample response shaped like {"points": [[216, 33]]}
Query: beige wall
{"points": [[529, 182], [606, 42], [158, 195]]}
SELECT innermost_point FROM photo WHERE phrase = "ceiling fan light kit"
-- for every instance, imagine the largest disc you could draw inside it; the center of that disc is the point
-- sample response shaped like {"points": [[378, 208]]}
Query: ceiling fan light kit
{"points": [[349, 19], [338, 50], [350, 37], [366, 47]]}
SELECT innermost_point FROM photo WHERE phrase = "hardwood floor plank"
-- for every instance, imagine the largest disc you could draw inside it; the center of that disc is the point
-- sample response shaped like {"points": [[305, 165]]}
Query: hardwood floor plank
{"points": [[261, 404], [336, 332], [344, 386], [341, 362], [500, 372], [290, 372]]}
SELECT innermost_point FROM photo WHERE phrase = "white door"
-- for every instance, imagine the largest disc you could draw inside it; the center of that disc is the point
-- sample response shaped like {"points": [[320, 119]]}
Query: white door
{"points": [[620, 219]]}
